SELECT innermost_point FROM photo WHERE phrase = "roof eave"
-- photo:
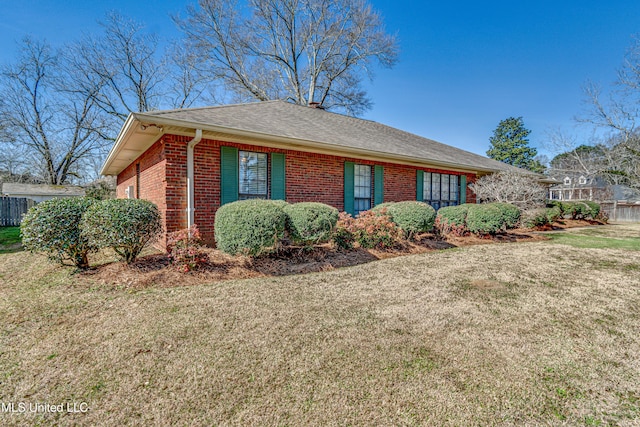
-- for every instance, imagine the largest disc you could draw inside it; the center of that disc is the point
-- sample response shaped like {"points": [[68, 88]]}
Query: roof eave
{"points": [[121, 139], [138, 118]]}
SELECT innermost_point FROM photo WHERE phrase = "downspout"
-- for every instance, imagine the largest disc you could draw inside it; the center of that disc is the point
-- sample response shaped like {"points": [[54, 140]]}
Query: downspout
{"points": [[190, 178]]}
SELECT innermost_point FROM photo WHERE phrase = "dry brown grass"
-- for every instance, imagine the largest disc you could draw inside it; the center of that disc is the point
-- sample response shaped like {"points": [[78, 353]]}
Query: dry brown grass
{"points": [[505, 334]]}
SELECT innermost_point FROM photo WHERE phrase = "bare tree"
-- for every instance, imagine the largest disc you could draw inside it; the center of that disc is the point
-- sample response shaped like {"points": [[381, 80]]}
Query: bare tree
{"points": [[56, 129], [520, 189], [619, 115], [588, 160], [120, 69], [186, 84], [303, 51], [123, 70]]}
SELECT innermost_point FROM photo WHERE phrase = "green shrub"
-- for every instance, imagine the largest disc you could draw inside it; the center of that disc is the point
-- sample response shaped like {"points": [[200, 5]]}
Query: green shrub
{"points": [[485, 219], [594, 209], [126, 225], [556, 204], [53, 227], [510, 214], [280, 203], [452, 220], [310, 222], [412, 217], [250, 227], [581, 209], [535, 217], [553, 214]]}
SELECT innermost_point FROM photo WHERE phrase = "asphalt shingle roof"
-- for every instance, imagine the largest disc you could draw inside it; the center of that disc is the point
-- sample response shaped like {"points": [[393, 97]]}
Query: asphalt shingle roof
{"points": [[280, 118]]}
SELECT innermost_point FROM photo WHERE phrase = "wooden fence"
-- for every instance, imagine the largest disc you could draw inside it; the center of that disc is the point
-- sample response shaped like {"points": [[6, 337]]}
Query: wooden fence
{"points": [[12, 209], [622, 212]]}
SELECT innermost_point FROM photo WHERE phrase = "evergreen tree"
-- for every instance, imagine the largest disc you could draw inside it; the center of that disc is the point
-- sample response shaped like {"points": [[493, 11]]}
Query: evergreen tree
{"points": [[509, 144]]}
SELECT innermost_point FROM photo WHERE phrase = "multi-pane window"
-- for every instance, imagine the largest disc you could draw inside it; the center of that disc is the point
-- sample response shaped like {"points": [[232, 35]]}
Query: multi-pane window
{"points": [[441, 189], [252, 173], [362, 188]]}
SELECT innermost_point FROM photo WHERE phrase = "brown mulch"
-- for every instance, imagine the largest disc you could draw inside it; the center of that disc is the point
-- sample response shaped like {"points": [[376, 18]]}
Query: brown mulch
{"points": [[155, 271]]}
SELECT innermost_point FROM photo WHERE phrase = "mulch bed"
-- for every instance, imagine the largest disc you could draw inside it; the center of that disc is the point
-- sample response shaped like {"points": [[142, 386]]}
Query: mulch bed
{"points": [[155, 271]]}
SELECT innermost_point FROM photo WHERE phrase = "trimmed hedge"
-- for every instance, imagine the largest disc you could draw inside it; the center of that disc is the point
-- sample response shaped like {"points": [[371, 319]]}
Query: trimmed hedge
{"points": [[510, 214], [540, 217], [250, 227], [53, 227], [583, 209], [410, 216], [452, 219], [310, 222], [126, 225], [485, 219]]}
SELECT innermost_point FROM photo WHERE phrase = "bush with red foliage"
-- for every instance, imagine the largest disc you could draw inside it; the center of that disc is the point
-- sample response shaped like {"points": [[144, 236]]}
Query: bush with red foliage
{"points": [[371, 229], [185, 250]]}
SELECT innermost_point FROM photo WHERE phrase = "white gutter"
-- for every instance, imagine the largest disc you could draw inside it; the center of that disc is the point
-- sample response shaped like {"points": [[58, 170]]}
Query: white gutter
{"points": [[190, 177]]}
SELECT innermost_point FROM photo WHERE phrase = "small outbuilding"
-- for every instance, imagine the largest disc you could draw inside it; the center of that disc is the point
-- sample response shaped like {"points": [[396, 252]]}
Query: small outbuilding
{"points": [[40, 192]]}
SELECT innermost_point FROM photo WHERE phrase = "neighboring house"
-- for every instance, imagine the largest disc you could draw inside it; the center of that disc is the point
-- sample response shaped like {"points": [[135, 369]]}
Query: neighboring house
{"points": [[576, 186], [40, 192], [190, 162]]}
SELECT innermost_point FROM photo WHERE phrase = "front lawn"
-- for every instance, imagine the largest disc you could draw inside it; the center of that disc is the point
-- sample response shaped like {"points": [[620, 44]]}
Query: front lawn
{"points": [[537, 333]]}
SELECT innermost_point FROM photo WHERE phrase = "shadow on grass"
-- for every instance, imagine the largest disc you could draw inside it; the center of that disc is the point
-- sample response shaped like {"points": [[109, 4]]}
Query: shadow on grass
{"points": [[11, 249]]}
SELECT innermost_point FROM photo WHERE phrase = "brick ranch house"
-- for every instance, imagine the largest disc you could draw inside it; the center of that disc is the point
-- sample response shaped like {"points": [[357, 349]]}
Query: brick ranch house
{"points": [[189, 162]]}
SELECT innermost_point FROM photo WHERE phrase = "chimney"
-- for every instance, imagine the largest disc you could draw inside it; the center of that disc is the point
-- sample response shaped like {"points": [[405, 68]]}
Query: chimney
{"points": [[316, 105]]}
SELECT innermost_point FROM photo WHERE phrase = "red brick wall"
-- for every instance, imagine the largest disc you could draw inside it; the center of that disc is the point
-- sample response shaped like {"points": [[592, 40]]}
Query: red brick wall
{"points": [[152, 182], [309, 177]]}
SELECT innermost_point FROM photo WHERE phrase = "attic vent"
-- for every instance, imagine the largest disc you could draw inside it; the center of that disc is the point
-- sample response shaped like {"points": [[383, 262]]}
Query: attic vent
{"points": [[316, 105]]}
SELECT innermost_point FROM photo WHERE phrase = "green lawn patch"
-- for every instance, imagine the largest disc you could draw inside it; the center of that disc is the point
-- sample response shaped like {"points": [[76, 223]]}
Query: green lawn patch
{"points": [[9, 235], [9, 239], [596, 242]]}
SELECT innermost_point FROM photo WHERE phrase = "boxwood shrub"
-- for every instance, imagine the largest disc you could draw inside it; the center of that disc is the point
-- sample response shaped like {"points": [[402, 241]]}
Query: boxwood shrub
{"points": [[582, 209], [510, 214], [250, 227], [485, 219], [535, 217], [53, 227], [452, 219], [126, 225], [310, 222], [411, 217]]}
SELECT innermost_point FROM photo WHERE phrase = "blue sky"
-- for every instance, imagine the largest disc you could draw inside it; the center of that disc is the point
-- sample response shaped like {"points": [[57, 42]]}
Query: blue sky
{"points": [[464, 65]]}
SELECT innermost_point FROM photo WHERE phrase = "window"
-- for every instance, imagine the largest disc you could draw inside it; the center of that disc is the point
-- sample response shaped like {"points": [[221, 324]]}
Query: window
{"points": [[582, 180], [362, 188], [441, 189], [252, 173], [567, 181]]}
